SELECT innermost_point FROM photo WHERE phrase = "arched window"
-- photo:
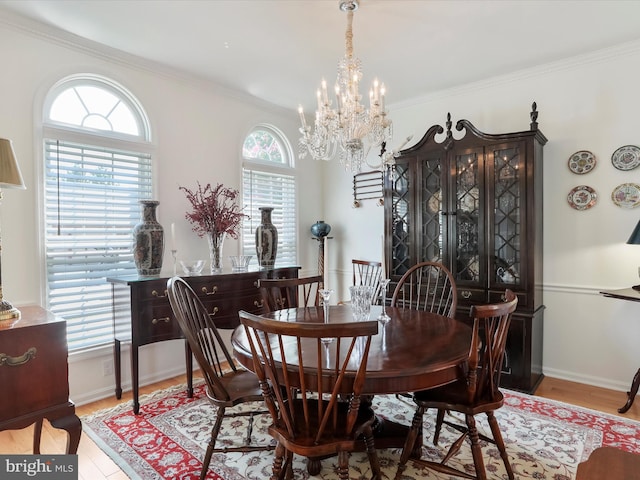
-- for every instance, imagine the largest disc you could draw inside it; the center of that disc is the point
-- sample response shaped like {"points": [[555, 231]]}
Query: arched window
{"points": [[97, 167], [268, 180]]}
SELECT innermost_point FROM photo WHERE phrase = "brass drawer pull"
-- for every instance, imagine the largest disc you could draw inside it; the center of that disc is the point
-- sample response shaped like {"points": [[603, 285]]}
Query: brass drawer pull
{"points": [[155, 321], [215, 310], [16, 361], [157, 295], [214, 289], [465, 294], [260, 303]]}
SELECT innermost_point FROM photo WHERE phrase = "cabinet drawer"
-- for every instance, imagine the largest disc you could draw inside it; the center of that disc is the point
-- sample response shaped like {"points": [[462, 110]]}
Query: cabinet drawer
{"points": [[224, 285], [471, 296], [151, 290], [38, 381], [498, 296], [224, 310], [155, 323]]}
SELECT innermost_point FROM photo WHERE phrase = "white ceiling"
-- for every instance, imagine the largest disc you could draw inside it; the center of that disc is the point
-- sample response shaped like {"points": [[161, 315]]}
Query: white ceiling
{"points": [[278, 50]]}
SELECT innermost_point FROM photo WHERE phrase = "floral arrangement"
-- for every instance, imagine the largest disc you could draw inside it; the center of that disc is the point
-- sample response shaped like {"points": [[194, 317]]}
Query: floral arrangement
{"points": [[215, 211]]}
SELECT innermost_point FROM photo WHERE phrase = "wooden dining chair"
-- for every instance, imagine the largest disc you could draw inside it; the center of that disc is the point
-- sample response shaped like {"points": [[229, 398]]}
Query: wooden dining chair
{"points": [[428, 286], [281, 293], [474, 393], [323, 417], [227, 386], [367, 272]]}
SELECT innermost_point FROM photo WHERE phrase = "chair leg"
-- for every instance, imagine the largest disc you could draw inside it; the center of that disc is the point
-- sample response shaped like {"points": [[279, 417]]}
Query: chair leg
{"points": [[343, 465], [212, 442], [476, 451], [277, 473], [497, 437], [439, 420], [372, 454], [409, 443]]}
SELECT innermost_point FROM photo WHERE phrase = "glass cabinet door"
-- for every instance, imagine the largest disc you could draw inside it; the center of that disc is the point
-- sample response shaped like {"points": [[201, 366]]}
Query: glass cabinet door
{"points": [[467, 200], [508, 190], [430, 213], [400, 219]]}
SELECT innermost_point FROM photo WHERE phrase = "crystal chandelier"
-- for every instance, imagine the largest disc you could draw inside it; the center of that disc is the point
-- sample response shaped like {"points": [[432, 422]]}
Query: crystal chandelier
{"points": [[349, 130]]}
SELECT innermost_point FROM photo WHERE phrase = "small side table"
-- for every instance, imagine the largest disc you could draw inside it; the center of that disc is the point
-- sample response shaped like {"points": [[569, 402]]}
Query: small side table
{"points": [[34, 375], [632, 295], [611, 464]]}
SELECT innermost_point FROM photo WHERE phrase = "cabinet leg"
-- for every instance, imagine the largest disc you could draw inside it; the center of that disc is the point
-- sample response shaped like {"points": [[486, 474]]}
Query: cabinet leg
{"points": [[73, 426], [37, 434], [116, 368], [189, 363], [134, 378], [631, 394]]}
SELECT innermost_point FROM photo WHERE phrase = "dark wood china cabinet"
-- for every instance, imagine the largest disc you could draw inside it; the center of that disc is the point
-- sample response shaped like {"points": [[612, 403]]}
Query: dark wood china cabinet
{"points": [[474, 202]]}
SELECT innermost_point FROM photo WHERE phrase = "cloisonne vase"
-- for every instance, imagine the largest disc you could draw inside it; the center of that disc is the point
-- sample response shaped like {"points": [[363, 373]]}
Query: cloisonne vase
{"points": [[266, 239], [215, 251], [148, 241]]}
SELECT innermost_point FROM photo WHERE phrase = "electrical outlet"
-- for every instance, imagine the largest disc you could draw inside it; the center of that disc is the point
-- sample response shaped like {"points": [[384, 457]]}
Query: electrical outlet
{"points": [[107, 368]]}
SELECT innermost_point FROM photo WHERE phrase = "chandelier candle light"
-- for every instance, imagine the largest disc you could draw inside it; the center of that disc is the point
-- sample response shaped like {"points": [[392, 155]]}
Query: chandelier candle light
{"points": [[349, 130]]}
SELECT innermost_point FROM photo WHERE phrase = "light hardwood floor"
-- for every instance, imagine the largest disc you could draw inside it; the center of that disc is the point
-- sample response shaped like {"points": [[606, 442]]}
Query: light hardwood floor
{"points": [[93, 464]]}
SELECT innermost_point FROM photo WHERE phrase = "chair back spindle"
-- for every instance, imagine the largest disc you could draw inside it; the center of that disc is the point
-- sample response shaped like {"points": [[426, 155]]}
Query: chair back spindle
{"points": [[490, 327], [366, 272], [306, 371], [281, 293], [427, 286]]}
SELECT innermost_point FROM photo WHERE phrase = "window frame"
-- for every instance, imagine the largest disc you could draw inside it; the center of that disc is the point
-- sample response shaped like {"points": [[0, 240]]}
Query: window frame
{"points": [[50, 129], [286, 168]]}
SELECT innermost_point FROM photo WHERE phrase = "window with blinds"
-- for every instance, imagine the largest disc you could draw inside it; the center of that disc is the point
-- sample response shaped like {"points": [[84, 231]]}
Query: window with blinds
{"points": [[92, 188], [268, 180]]}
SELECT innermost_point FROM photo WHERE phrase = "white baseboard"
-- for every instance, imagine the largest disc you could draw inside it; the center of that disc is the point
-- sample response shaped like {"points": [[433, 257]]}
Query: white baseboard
{"points": [[102, 393], [588, 380]]}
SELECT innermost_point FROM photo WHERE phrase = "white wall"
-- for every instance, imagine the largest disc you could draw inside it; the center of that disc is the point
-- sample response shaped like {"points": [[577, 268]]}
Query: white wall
{"points": [[198, 132], [585, 103]]}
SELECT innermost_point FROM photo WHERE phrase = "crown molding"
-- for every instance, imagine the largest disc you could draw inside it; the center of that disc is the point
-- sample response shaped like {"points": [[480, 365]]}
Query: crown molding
{"points": [[102, 52]]}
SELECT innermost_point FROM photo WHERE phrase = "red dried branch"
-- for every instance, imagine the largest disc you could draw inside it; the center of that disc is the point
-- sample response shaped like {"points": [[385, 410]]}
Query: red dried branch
{"points": [[215, 210]]}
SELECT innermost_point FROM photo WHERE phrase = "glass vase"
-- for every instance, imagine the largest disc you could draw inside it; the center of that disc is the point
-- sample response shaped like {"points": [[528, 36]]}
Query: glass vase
{"points": [[215, 251]]}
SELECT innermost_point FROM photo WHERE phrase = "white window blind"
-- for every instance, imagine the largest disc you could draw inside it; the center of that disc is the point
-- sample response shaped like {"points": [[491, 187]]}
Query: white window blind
{"points": [[91, 206], [266, 189]]}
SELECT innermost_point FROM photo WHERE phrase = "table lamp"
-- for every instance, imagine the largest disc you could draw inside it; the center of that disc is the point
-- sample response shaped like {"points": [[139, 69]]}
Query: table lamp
{"points": [[634, 239], [10, 177]]}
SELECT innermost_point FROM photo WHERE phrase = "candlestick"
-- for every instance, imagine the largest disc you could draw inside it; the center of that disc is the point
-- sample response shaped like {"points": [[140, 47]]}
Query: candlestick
{"points": [[326, 263], [384, 263], [173, 237], [174, 254]]}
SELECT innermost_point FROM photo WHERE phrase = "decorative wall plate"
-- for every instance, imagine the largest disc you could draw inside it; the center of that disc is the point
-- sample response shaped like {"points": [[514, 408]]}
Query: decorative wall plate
{"points": [[582, 161], [582, 197], [626, 158], [626, 195]]}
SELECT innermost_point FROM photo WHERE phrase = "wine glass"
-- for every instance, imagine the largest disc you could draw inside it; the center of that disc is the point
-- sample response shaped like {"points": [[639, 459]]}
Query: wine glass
{"points": [[384, 318], [326, 294]]}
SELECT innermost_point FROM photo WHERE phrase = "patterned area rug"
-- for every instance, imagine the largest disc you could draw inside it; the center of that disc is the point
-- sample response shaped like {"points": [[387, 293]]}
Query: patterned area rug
{"points": [[545, 440]]}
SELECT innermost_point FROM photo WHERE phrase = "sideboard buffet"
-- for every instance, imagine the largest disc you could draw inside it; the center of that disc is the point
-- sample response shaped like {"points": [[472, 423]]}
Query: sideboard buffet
{"points": [[474, 203], [142, 314], [34, 374]]}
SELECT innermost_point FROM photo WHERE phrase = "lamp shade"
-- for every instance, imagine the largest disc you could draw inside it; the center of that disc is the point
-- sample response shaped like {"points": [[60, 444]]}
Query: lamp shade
{"points": [[634, 239], [10, 176]]}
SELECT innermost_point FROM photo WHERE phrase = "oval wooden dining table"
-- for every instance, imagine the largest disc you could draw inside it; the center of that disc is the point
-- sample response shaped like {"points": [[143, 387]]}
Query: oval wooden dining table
{"points": [[415, 350]]}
